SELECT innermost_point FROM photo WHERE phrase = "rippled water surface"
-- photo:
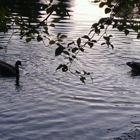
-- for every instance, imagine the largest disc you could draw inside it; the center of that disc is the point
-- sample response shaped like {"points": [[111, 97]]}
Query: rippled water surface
{"points": [[57, 106]]}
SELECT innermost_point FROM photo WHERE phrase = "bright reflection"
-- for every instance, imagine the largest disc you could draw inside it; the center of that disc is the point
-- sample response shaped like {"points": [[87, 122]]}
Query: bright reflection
{"points": [[85, 10], [84, 15]]}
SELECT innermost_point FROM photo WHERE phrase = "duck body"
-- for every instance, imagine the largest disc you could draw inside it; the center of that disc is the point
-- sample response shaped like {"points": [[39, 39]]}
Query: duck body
{"points": [[135, 66], [8, 70]]}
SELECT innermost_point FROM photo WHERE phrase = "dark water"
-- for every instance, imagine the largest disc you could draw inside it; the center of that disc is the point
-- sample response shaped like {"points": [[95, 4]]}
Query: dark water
{"points": [[57, 106]]}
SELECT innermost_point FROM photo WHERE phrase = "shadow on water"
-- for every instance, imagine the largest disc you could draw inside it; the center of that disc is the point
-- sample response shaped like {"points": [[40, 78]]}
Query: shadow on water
{"points": [[18, 86], [32, 9], [25, 8]]}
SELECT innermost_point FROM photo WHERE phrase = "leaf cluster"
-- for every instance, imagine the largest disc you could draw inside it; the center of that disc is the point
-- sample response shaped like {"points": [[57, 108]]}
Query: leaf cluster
{"points": [[5, 20]]}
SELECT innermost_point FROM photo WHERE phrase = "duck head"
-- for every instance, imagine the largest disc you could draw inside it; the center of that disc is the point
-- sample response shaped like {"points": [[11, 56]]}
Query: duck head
{"points": [[18, 63]]}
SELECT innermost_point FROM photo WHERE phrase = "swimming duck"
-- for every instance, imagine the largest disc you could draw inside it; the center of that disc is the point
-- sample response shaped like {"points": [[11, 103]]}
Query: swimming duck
{"points": [[7, 70], [135, 67]]}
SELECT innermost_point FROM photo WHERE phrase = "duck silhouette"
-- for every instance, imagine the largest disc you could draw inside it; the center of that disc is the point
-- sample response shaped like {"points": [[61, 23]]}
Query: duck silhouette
{"points": [[7, 70], [135, 66]]}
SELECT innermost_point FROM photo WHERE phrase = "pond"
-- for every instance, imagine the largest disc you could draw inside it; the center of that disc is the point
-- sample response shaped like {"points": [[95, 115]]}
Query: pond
{"points": [[57, 106]]}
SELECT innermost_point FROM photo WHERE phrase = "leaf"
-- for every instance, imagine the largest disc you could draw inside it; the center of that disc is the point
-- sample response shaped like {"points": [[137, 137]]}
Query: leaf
{"points": [[138, 35], [97, 31], [103, 43], [74, 50], [59, 50], [70, 43], [78, 42], [110, 5], [102, 4], [56, 20], [77, 72], [51, 42], [107, 10], [83, 79], [70, 59], [102, 27], [120, 28], [51, 1], [58, 35], [60, 40], [52, 25], [95, 1], [106, 38], [65, 68], [59, 67], [73, 56], [90, 44], [109, 21], [58, 44], [28, 40], [63, 36], [46, 28], [109, 2], [135, 28], [110, 36], [46, 31], [39, 38], [50, 9], [95, 25], [66, 52], [126, 32], [102, 20], [86, 73], [95, 41], [82, 49], [86, 37]]}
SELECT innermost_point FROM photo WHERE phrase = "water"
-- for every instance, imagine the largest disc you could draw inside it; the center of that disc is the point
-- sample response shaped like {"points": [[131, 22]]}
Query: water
{"points": [[57, 106]]}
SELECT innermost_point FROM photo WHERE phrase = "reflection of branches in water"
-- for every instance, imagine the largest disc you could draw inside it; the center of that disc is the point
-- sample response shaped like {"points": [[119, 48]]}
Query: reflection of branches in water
{"points": [[133, 135], [25, 8]]}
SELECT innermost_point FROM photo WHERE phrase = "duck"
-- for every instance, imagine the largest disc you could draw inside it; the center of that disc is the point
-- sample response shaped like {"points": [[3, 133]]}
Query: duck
{"points": [[135, 66], [7, 70]]}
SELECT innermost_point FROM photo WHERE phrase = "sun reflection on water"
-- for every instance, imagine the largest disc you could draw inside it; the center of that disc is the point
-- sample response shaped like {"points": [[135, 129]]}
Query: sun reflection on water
{"points": [[87, 9]]}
